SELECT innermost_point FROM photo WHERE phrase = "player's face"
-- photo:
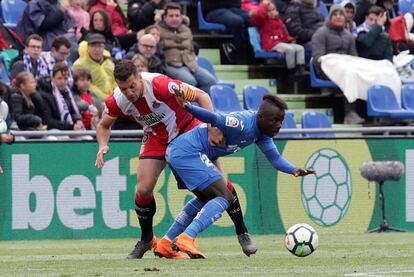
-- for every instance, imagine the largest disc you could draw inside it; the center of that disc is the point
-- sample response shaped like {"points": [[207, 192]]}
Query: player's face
{"points": [[131, 88], [270, 121]]}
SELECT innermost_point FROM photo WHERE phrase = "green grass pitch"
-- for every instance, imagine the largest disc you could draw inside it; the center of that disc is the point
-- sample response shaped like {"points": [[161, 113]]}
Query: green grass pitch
{"points": [[385, 254]]}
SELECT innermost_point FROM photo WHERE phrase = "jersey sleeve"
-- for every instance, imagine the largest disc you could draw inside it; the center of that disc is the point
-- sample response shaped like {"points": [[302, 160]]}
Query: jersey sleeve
{"points": [[268, 147], [164, 87], [111, 107]]}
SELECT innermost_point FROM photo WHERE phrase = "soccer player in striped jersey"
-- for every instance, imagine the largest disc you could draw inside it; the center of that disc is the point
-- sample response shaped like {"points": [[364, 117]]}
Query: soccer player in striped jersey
{"points": [[149, 99]]}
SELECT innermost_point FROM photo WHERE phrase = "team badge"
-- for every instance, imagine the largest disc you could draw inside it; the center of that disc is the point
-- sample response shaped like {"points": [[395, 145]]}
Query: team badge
{"points": [[155, 104], [232, 121], [172, 87]]}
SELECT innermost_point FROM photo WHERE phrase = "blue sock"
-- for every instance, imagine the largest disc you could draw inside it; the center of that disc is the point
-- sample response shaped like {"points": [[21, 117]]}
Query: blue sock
{"points": [[211, 212], [184, 218]]}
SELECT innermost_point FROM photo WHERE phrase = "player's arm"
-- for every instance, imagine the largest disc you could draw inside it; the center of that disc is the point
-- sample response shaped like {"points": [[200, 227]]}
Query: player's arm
{"points": [[193, 94], [103, 133], [268, 148]]}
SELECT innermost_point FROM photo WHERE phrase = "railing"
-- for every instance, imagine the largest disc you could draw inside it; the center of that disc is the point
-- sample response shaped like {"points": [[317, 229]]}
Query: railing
{"points": [[364, 131]]}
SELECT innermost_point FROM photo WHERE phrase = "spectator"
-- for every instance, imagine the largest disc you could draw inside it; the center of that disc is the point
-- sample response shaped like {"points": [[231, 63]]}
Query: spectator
{"points": [[61, 111], [112, 8], [79, 16], [4, 136], [59, 52], [372, 41], [146, 46], [177, 44], [101, 24], [47, 18], [363, 6], [140, 62], [92, 57], [303, 18], [89, 105], [334, 38], [155, 32], [32, 61], [349, 16], [27, 104], [274, 37], [141, 13], [230, 14]]}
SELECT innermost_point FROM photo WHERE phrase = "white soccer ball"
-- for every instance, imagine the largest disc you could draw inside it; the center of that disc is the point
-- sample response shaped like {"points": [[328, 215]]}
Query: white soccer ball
{"points": [[301, 240], [3, 126]]}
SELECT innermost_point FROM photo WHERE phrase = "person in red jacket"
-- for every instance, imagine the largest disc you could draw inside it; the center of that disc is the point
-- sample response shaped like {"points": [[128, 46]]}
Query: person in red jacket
{"points": [[115, 14], [275, 37]]}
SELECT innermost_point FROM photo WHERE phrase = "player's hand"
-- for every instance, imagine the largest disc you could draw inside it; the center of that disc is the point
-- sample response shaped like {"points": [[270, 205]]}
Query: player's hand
{"points": [[99, 163], [216, 137], [179, 95], [303, 172]]}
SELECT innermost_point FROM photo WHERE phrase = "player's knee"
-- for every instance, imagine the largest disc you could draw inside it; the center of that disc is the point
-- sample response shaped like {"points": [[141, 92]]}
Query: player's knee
{"points": [[228, 196], [144, 192]]}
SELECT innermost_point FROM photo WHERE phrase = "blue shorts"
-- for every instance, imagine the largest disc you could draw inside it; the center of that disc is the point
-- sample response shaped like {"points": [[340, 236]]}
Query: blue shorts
{"points": [[192, 170]]}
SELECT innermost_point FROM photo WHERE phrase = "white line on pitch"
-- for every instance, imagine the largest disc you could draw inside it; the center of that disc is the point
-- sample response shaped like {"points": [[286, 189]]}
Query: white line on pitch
{"points": [[378, 273]]}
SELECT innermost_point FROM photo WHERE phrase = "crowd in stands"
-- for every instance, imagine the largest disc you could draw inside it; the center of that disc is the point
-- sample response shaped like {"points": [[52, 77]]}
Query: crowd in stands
{"points": [[64, 71]]}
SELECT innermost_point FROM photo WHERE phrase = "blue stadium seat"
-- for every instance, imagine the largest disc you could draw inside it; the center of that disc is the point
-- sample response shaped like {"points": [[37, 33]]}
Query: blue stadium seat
{"points": [[407, 97], [259, 53], [405, 6], [206, 64], [204, 25], [315, 81], [252, 96], [382, 102], [4, 76], [289, 123], [316, 120], [323, 9], [224, 99], [12, 12]]}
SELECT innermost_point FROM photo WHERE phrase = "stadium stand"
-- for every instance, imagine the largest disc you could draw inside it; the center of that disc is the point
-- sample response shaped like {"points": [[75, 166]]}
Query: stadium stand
{"points": [[259, 53], [204, 25], [252, 96], [382, 102], [224, 99], [407, 97], [12, 11], [289, 123], [315, 81], [316, 120], [206, 64]]}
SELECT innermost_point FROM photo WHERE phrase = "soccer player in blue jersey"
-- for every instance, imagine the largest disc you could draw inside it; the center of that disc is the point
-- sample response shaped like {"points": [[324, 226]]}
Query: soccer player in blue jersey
{"points": [[190, 158]]}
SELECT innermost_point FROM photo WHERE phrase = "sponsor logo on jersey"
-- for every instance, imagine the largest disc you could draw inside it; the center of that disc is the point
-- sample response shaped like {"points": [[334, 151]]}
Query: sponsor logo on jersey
{"points": [[155, 104], [151, 119], [232, 121], [172, 87]]}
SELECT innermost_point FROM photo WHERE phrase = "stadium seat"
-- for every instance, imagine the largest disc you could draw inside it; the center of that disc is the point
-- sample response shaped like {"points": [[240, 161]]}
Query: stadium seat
{"points": [[407, 97], [204, 25], [206, 64], [288, 123], [405, 6], [316, 120], [12, 12], [224, 99], [259, 53], [315, 81], [252, 96], [323, 9], [4, 76], [382, 102]]}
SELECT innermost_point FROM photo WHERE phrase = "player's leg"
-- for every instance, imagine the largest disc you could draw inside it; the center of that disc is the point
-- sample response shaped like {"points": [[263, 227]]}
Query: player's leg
{"points": [[221, 198], [236, 215], [151, 163], [183, 219]]}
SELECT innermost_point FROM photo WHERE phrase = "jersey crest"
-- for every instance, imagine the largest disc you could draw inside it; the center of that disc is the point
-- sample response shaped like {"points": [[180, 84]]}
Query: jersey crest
{"points": [[231, 121]]}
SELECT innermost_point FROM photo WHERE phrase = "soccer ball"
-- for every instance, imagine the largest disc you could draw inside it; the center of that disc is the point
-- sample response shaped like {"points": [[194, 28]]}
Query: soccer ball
{"points": [[326, 195], [301, 240]]}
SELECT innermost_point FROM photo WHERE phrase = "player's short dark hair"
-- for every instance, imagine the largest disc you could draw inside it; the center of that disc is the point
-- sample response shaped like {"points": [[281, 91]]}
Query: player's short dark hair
{"points": [[172, 6], [34, 37], [277, 101], [60, 41], [60, 67], [124, 69]]}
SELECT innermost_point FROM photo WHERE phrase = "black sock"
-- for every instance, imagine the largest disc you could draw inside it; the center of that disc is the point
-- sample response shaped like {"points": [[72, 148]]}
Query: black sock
{"points": [[236, 214], [145, 214]]}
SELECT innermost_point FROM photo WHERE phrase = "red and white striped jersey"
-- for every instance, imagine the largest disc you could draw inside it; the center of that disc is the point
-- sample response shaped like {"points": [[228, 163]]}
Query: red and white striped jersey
{"points": [[157, 110]]}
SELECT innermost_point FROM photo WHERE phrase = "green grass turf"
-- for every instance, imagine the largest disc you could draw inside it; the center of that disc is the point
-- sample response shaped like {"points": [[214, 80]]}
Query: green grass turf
{"points": [[386, 254]]}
